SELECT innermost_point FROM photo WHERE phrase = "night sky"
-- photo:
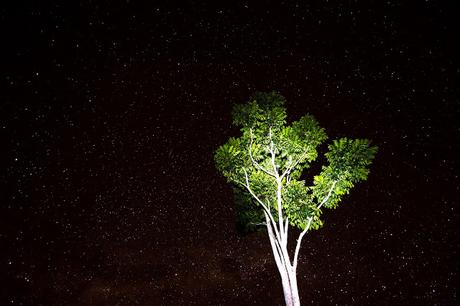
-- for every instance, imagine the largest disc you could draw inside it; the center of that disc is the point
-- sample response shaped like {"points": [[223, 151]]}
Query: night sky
{"points": [[110, 113]]}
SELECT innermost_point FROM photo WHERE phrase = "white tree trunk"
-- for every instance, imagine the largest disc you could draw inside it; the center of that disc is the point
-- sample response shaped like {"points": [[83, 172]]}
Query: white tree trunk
{"points": [[294, 289], [290, 289], [283, 263], [288, 296], [278, 232]]}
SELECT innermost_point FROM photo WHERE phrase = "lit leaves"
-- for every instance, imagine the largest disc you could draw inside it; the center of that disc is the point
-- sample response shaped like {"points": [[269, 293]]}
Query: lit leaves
{"points": [[349, 161], [249, 215], [263, 111], [299, 141], [264, 186], [231, 158], [298, 205], [262, 121], [349, 158]]}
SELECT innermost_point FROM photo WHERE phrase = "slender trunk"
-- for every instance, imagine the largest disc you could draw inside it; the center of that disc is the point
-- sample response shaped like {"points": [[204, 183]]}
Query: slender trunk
{"points": [[287, 290], [288, 276], [295, 290], [278, 233], [290, 289]]}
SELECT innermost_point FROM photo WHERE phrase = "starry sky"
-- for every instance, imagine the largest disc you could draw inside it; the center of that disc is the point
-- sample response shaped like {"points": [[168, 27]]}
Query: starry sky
{"points": [[110, 112]]}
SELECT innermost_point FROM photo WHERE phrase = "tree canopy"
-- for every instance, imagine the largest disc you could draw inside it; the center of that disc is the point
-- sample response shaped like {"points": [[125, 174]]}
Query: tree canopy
{"points": [[267, 142]]}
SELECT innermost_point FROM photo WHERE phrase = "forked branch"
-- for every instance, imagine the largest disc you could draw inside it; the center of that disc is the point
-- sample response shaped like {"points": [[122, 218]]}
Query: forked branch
{"points": [[299, 240], [265, 207]]}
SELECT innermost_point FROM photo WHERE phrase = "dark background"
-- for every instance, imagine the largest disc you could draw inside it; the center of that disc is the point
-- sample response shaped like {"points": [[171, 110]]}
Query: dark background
{"points": [[110, 112]]}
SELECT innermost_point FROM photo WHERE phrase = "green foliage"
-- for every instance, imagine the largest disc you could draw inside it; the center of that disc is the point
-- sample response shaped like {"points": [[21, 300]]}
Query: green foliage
{"points": [[300, 140], [298, 205], [349, 161], [263, 125], [262, 111], [248, 213]]}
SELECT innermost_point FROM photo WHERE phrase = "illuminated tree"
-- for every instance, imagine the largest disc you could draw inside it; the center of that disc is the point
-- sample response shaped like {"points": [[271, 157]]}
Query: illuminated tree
{"points": [[266, 164]]}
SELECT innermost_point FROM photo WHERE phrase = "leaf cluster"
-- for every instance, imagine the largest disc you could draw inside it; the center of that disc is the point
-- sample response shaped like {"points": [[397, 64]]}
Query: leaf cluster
{"points": [[264, 132], [348, 164]]}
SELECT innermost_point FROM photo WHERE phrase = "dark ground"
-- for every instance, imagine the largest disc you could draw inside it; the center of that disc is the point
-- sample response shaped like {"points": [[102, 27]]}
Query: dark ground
{"points": [[110, 113]]}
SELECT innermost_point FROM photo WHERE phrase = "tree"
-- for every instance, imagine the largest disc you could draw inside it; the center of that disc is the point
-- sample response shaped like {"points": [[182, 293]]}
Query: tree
{"points": [[266, 164]]}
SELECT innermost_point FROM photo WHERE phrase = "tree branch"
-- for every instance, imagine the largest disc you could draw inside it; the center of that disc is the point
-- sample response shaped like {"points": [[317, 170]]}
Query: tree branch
{"points": [[272, 152], [266, 209], [299, 240], [276, 248], [288, 168], [253, 223], [328, 195], [293, 165], [286, 227], [279, 185]]}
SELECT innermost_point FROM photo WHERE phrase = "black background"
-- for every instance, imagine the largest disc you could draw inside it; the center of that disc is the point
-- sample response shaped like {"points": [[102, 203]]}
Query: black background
{"points": [[110, 112]]}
